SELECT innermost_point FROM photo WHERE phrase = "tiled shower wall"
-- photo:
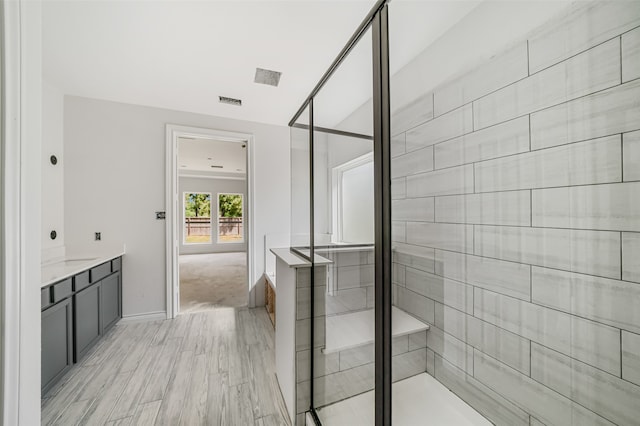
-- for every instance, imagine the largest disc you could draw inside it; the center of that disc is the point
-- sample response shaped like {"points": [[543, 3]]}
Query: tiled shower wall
{"points": [[517, 223], [348, 372]]}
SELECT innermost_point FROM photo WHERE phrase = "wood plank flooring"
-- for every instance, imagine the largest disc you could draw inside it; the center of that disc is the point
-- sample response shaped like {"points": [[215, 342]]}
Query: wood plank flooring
{"points": [[214, 367]]}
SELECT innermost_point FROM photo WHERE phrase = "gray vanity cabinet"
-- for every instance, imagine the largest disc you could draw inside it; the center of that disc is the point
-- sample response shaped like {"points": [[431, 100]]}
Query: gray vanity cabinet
{"points": [[76, 312], [57, 342], [110, 306], [86, 324]]}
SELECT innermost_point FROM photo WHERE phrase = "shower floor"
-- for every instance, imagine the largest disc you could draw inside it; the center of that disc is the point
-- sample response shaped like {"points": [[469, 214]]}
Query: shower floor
{"points": [[417, 400]]}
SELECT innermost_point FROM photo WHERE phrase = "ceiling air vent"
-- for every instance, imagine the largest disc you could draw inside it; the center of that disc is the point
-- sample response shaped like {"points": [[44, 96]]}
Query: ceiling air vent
{"points": [[271, 78], [230, 101]]}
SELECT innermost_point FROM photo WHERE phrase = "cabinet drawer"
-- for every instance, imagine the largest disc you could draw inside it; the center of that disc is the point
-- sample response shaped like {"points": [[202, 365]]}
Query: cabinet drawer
{"points": [[45, 297], [116, 264], [101, 271], [61, 290], [81, 281]]}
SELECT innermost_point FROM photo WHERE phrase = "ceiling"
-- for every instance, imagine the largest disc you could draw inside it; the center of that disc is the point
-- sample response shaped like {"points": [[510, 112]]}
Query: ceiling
{"points": [[182, 55], [199, 155]]}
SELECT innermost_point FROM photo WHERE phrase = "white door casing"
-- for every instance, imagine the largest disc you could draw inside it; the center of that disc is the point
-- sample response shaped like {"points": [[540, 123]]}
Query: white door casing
{"points": [[173, 213]]}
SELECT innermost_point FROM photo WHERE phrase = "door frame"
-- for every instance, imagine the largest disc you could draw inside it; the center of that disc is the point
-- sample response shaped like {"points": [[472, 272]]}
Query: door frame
{"points": [[20, 210], [173, 206]]}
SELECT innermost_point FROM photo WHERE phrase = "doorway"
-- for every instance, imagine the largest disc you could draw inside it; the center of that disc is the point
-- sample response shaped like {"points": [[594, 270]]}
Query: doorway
{"points": [[209, 257]]}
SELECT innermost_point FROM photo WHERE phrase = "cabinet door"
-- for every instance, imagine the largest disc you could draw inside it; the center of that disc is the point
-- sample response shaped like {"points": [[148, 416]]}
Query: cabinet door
{"points": [[86, 324], [111, 307], [57, 343]]}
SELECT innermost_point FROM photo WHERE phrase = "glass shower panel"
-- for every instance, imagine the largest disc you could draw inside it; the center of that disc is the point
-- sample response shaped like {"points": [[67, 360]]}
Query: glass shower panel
{"points": [[300, 183], [343, 238], [515, 220]]}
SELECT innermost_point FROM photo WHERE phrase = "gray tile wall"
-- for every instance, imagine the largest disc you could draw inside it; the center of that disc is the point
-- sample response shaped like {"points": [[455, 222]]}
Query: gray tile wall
{"points": [[517, 213]]}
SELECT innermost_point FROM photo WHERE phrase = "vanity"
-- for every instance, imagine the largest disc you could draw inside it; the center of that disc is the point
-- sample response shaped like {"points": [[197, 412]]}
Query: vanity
{"points": [[80, 300]]}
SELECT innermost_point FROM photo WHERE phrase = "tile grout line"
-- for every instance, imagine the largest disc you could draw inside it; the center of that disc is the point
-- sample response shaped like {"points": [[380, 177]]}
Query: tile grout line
{"points": [[621, 353], [621, 157], [621, 60]]}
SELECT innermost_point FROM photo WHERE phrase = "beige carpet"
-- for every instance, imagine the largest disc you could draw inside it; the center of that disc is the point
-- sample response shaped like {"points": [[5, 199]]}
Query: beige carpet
{"points": [[212, 280]]}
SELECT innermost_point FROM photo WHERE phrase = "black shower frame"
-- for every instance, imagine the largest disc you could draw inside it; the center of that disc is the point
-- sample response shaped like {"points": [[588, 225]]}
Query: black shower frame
{"points": [[377, 20]]}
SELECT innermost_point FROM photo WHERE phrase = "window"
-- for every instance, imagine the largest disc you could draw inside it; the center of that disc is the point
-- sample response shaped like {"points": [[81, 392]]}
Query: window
{"points": [[197, 218], [353, 204], [230, 218]]}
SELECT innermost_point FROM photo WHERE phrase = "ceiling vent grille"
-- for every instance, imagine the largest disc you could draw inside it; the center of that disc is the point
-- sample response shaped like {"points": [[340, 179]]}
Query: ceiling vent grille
{"points": [[230, 101], [268, 77]]}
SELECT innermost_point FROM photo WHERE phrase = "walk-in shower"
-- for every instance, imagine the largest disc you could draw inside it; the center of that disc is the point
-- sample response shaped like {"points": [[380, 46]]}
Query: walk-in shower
{"points": [[466, 184]]}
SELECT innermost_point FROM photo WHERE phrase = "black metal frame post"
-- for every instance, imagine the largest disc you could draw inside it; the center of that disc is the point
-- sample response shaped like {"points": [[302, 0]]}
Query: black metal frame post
{"points": [[312, 256], [382, 185]]}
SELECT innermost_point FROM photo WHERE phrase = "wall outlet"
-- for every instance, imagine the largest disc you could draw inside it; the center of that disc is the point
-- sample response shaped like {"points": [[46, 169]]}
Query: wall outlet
{"points": [[98, 236]]}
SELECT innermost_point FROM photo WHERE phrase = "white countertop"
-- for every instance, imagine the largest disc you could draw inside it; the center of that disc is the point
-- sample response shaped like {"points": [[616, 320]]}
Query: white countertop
{"points": [[295, 261], [77, 260]]}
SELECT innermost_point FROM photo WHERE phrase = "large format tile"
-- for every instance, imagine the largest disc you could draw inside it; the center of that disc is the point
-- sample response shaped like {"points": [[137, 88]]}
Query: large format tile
{"points": [[604, 300], [631, 357], [590, 162], [323, 364], [353, 257], [398, 231], [352, 299], [537, 399], [343, 384], [631, 55], [416, 305], [414, 113], [447, 126], [630, 256], [397, 145], [508, 278], [614, 207], [355, 276], [588, 252], [398, 188], [494, 208], [588, 341], [441, 236], [416, 209], [453, 350], [611, 111], [303, 301], [589, 72], [454, 180], [451, 321], [398, 273], [408, 364], [501, 344], [444, 290], [303, 333], [508, 138], [607, 395], [631, 156], [415, 256], [489, 403], [498, 72], [581, 26], [417, 161]]}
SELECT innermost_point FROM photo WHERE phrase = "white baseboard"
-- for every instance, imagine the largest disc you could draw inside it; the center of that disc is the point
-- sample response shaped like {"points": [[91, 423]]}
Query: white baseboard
{"points": [[149, 316]]}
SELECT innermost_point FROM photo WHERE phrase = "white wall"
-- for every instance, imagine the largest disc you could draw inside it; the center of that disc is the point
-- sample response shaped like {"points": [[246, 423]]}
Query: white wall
{"points": [[115, 182], [212, 186], [21, 39], [52, 176]]}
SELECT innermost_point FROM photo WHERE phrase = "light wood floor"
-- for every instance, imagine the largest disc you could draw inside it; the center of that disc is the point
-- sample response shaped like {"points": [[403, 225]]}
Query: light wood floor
{"points": [[209, 368]]}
